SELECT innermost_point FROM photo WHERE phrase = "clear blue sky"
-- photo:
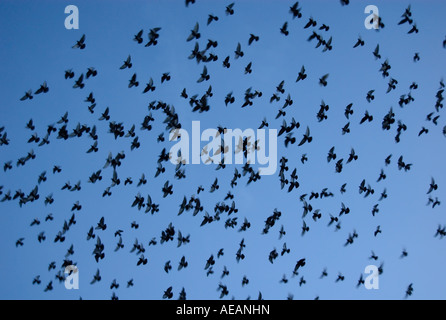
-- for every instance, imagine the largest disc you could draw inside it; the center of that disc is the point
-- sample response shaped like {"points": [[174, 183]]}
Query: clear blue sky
{"points": [[36, 47]]}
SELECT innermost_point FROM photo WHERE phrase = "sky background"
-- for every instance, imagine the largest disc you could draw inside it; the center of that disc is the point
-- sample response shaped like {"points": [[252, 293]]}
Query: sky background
{"points": [[36, 47]]}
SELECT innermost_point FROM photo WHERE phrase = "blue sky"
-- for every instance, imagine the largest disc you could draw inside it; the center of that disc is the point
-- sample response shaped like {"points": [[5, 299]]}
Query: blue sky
{"points": [[36, 47]]}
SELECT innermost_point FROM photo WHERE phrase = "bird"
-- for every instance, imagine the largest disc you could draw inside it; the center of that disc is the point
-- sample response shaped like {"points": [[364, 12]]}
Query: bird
{"points": [[168, 293], [311, 23], [348, 110], [127, 63], [133, 82], [295, 10], [69, 74], [323, 80], [305, 228], [359, 42], [204, 75], [238, 51], [229, 9], [248, 68], [376, 52], [165, 77], [409, 290], [432, 186], [79, 82], [195, 34], [404, 254], [416, 57], [97, 277], [28, 95], [91, 72], [226, 62], [80, 43], [360, 281], [370, 95], [252, 38], [413, 29], [138, 36], [306, 138], [153, 37], [284, 29], [43, 88], [211, 18], [302, 75]]}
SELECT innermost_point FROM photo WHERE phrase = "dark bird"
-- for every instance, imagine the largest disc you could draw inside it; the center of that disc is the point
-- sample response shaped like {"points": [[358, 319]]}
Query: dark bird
{"points": [[323, 80], [305, 228], [49, 287], [151, 87], [367, 117], [376, 52], [101, 225], [377, 231], [97, 277], [226, 63], [413, 29], [133, 82], [28, 95], [383, 195], [348, 110], [69, 74], [79, 82], [19, 242], [127, 63], [194, 33], [423, 130], [302, 75], [229, 99], [229, 9], [167, 189], [404, 254], [311, 23], [370, 96], [188, 2], [238, 51], [306, 137], [43, 88], [91, 72], [409, 290], [331, 155], [299, 264], [295, 10], [433, 186], [204, 75], [153, 37], [211, 18], [138, 36], [248, 68], [284, 29], [142, 260], [416, 57], [324, 27], [346, 129], [165, 77], [359, 42], [80, 43], [253, 38], [360, 281]]}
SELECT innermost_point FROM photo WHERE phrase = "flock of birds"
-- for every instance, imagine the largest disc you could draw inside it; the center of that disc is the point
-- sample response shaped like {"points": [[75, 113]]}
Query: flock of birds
{"points": [[287, 177]]}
